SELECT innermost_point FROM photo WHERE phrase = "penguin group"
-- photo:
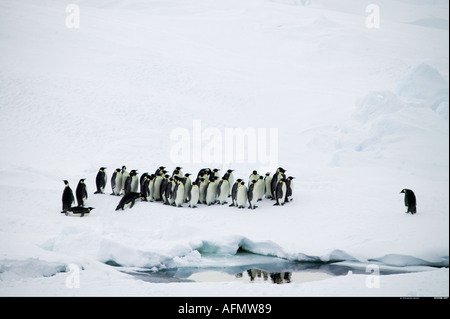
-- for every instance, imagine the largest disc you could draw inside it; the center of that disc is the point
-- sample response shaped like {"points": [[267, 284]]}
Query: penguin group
{"points": [[208, 188]]}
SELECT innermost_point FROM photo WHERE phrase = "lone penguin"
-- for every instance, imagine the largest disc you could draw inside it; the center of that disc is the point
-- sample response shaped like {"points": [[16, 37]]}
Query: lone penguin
{"points": [[128, 200], [81, 192], [410, 201], [67, 198], [116, 182], [100, 181]]}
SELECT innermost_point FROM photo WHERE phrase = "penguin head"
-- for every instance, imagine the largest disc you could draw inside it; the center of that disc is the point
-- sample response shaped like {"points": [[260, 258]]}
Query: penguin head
{"points": [[291, 178], [238, 180], [230, 171], [117, 170], [102, 169], [261, 177], [124, 168], [268, 174], [254, 181], [82, 180], [242, 183], [90, 208], [133, 172], [255, 172], [66, 182]]}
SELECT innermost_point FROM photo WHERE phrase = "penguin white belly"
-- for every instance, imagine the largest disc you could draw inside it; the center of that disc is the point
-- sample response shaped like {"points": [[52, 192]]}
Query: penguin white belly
{"points": [[194, 196], [157, 188], [179, 196], [211, 194], [224, 191], [134, 184], [241, 197], [202, 198], [259, 189]]}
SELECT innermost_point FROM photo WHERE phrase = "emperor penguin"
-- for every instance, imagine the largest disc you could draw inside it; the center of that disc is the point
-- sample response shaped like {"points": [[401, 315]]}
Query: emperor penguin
{"points": [[194, 195], [142, 180], [410, 200], [177, 172], [289, 188], [100, 181], [214, 173], [160, 171], [81, 193], [223, 189], [132, 182], [202, 190], [79, 211], [169, 191], [230, 178], [128, 200], [147, 188], [163, 189], [268, 182], [116, 182], [125, 175], [159, 177], [254, 176], [260, 188], [67, 197], [280, 192], [187, 187], [279, 174], [241, 196], [178, 192], [211, 192], [252, 196], [234, 192], [203, 173]]}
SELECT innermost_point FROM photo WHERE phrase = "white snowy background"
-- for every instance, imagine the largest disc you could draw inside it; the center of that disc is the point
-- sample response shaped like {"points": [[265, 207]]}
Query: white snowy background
{"points": [[361, 114]]}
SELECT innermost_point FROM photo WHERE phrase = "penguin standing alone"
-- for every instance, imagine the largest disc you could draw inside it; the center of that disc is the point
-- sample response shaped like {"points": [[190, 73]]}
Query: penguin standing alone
{"points": [[410, 201], [67, 198], [81, 193], [116, 182], [100, 181]]}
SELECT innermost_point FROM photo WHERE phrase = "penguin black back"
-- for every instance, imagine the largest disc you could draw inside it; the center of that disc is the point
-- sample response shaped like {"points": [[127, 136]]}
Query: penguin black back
{"points": [[410, 200], [67, 198], [100, 181], [81, 193]]}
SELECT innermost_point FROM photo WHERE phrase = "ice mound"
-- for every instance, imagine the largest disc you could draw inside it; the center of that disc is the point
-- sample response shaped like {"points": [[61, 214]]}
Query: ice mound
{"points": [[28, 268], [375, 104], [423, 82]]}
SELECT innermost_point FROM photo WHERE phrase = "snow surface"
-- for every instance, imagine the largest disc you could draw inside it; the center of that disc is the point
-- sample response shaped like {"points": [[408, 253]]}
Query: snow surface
{"points": [[361, 113]]}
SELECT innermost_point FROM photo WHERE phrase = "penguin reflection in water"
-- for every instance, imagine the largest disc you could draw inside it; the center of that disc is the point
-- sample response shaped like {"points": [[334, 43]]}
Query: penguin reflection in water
{"points": [[410, 201]]}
